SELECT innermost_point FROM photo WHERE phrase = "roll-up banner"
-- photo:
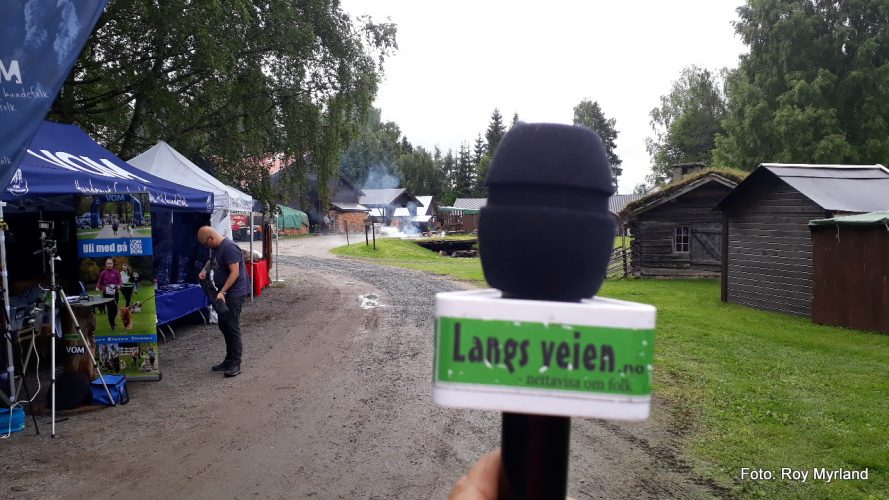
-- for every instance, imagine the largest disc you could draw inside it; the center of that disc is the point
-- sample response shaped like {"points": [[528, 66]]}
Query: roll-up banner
{"points": [[116, 261]]}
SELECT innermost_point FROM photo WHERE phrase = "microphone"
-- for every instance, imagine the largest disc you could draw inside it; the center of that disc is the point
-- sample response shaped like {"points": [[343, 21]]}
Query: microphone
{"points": [[545, 234]]}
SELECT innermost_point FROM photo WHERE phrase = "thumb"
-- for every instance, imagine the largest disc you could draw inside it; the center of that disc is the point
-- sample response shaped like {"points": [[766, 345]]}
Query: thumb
{"points": [[480, 483]]}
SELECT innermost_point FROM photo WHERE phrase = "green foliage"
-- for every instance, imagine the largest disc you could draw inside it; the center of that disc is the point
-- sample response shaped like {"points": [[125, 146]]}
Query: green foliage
{"points": [[464, 176], [496, 131], [419, 174], [813, 87], [686, 123], [589, 114], [370, 159], [233, 80], [448, 199], [478, 150], [481, 173], [448, 169]]}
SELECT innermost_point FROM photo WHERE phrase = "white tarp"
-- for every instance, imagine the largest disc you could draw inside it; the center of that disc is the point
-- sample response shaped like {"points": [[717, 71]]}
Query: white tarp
{"points": [[165, 162]]}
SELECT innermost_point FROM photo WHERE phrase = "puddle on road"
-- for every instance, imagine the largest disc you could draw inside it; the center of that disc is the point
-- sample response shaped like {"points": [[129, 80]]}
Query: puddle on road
{"points": [[369, 301]]}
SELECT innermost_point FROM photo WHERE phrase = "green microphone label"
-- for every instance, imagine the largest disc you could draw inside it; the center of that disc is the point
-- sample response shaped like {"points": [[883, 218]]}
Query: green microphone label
{"points": [[544, 356]]}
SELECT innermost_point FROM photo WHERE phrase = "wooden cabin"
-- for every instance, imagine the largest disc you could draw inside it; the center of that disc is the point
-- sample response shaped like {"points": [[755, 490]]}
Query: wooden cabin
{"points": [[676, 231], [383, 203], [463, 216], [767, 247], [616, 204]]}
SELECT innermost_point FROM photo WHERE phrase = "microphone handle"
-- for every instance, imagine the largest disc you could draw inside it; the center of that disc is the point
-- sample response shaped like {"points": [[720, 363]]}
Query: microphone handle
{"points": [[535, 451], [535, 456]]}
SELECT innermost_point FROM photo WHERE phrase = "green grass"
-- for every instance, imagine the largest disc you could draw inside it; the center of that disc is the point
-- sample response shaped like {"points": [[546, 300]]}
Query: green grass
{"points": [[766, 390], [144, 322], [449, 237], [408, 255], [618, 241], [744, 387]]}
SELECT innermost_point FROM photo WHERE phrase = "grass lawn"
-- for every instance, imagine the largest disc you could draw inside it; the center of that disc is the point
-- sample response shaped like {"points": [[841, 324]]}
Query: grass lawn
{"points": [[144, 322], [755, 389], [406, 254]]}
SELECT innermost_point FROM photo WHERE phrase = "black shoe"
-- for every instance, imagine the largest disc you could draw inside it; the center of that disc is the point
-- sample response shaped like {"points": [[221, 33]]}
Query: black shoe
{"points": [[220, 367], [232, 370]]}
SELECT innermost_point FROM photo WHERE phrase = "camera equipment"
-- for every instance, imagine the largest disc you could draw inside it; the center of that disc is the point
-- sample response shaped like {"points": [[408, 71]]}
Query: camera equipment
{"points": [[46, 228], [211, 292], [49, 250]]}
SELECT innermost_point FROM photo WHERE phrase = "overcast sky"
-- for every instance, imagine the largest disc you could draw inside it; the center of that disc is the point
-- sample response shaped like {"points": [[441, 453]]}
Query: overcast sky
{"points": [[459, 59]]}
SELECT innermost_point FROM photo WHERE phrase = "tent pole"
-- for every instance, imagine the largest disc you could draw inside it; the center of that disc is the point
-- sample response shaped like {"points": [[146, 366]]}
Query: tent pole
{"points": [[252, 271], [10, 366], [278, 234]]}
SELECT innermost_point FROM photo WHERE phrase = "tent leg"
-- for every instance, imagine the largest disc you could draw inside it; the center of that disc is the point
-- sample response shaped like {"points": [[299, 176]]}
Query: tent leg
{"points": [[251, 254], [10, 367]]}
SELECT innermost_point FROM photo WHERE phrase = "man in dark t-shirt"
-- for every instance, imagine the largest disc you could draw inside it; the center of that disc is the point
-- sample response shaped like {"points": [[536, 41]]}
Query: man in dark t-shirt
{"points": [[230, 278]]}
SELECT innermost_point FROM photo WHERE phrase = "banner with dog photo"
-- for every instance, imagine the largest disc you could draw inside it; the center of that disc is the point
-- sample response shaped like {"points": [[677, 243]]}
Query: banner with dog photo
{"points": [[116, 262]]}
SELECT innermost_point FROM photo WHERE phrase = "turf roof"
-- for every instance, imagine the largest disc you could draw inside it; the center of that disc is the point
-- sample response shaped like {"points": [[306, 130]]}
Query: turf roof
{"points": [[732, 174]]}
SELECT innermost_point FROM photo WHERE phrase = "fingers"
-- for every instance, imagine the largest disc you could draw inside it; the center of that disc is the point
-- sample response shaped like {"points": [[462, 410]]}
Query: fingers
{"points": [[480, 483]]}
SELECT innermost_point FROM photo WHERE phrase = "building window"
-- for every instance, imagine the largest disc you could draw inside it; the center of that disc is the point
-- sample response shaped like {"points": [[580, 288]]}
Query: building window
{"points": [[680, 239]]}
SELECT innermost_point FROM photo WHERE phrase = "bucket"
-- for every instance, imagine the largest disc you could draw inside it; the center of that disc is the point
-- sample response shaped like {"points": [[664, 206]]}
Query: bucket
{"points": [[18, 420]]}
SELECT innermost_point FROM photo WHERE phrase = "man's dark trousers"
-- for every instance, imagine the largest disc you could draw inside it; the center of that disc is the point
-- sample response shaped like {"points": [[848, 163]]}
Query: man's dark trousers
{"points": [[230, 325]]}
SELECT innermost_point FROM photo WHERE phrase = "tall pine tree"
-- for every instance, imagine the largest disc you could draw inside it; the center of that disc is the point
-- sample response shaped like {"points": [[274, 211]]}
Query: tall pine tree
{"points": [[496, 131], [479, 149], [465, 176], [589, 114]]}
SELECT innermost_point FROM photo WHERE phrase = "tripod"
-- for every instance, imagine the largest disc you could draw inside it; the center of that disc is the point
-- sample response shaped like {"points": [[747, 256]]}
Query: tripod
{"points": [[10, 341], [49, 249]]}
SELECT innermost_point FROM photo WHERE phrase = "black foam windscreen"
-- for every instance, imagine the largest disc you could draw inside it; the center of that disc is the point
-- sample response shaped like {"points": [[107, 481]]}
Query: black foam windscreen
{"points": [[546, 232]]}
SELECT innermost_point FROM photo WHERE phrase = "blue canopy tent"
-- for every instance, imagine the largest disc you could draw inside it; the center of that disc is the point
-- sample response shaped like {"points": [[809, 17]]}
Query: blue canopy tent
{"points": [[63, 160]]}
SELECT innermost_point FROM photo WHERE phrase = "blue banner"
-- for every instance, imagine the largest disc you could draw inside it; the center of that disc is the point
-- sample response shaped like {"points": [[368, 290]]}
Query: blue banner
{"points": [[126, 338], [114, 247], [39, 43]]}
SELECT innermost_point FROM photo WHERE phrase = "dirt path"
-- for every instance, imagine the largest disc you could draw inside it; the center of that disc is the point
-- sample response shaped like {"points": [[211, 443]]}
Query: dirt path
{"points": [[334, 402]]}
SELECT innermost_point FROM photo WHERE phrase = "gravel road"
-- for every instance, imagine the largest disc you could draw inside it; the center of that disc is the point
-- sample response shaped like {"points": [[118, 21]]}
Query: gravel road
{"points": [[334, 402]]}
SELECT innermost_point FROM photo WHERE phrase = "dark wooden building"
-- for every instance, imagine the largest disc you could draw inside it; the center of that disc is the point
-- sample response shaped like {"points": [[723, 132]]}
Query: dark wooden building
{"points": [[676, 231], [616, 204], [767, 247], [463, 216], [383, 203], [342, 211], [850, 275]]}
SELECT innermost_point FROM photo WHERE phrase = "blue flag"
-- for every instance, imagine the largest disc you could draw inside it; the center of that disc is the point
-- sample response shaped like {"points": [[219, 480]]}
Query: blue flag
{"points": [[39, 43]]}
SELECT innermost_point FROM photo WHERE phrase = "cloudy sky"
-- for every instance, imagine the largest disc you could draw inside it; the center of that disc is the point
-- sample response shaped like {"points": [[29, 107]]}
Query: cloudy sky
{"points": [[460, 59]]}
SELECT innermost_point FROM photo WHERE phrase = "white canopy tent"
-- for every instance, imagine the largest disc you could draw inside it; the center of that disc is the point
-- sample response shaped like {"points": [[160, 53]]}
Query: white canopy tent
{"points": [[165, 162]]}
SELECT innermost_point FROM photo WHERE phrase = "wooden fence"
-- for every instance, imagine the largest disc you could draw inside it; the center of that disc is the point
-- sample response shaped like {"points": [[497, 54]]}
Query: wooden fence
{"points": [[619, 265]]}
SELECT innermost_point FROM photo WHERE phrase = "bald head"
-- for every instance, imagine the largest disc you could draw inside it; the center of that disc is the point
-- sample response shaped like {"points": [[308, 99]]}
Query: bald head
{"points": [[209, 237]]}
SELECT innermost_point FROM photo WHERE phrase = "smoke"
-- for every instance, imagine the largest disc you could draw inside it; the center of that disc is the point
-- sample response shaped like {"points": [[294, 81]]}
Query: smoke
{"points": [[381, 177], [406, 231]]}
